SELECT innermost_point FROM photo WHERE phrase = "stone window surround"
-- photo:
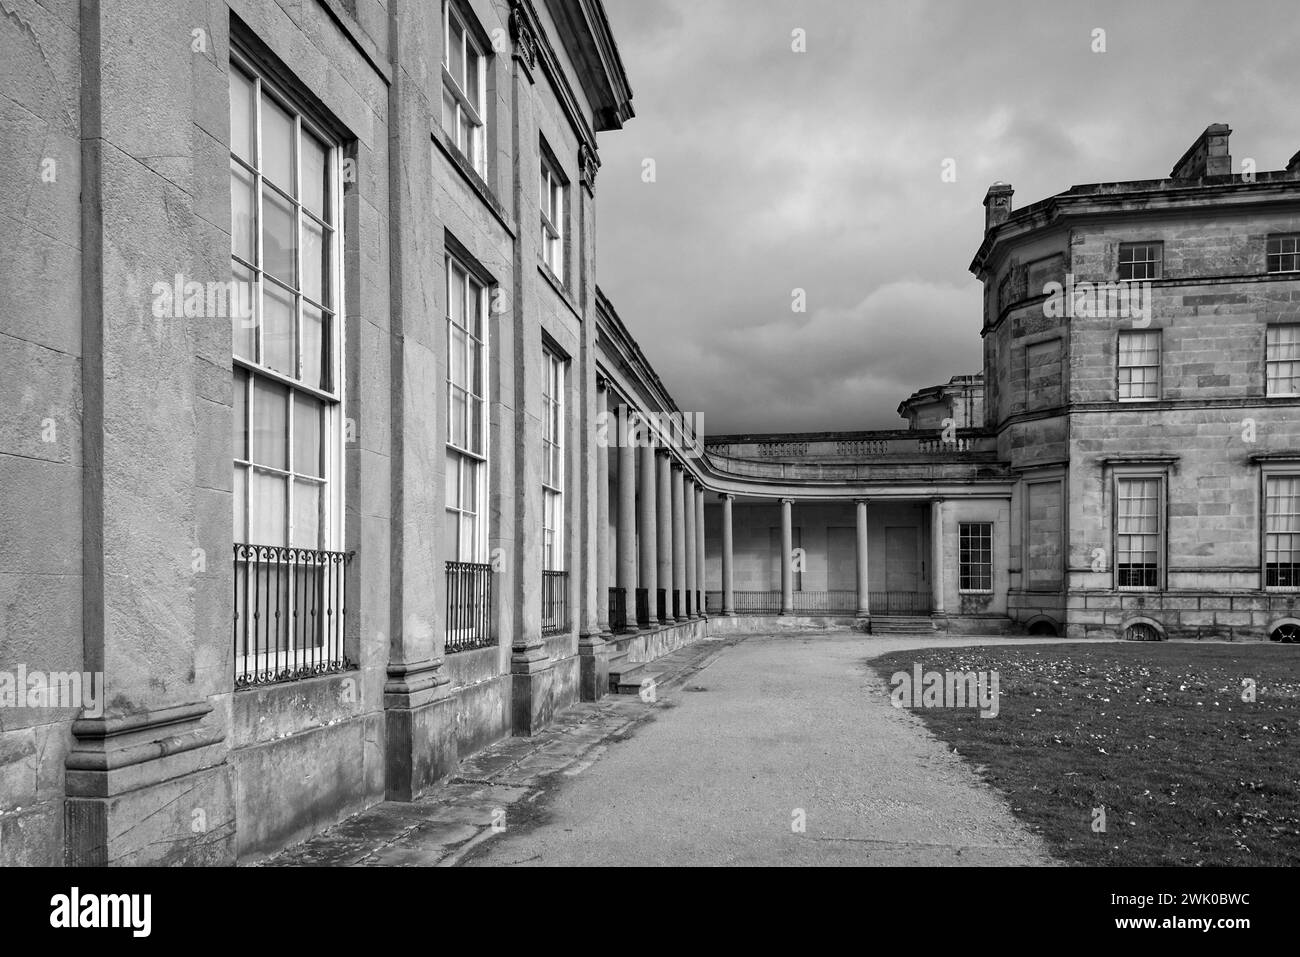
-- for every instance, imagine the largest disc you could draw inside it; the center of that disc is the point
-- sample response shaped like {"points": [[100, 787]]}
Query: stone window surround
{"points": [[331, 393], [1123, 334], [985, 548], [556, 380], [1152, 262], [553, 190], [1138, 471], [455, 259], [472, 37], [1272, 466]]}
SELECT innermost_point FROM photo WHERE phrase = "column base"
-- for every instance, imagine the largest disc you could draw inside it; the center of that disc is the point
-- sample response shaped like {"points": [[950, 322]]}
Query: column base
{"points": [[420, 728], [532, 705], [150, 788], [593, 667]]}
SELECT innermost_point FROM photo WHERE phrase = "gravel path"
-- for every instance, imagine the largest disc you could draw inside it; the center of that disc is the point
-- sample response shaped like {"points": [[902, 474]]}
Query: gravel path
{"points": [[773, 729]]}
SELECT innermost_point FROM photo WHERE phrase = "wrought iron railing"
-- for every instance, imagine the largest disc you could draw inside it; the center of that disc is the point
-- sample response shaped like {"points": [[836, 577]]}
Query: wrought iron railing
{"points": [[837, 601], [618, 610], [713, 602], [643, 608], [288, 613], [757, 602], [900, 602], [469, 606], [555, 602], [661, 605]]}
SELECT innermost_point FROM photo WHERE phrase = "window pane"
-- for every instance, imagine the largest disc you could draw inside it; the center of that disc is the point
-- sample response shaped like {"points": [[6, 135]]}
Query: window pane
{"points": [[277, 145], [308, 420], [475, 426], [241, 503], [279, 237], [270, 428], [268, 507], [239, 416], [306, 515], [451, 491], [475, 360], [277, 332], [315, 176], [468, 140], [469, 486], [457, 357], [456, 296], [315, 261], [458, 418], [456, 44], [243, 213], [243, 329], [477, 304], [314, 356], [451, 536], [241, 115], [449, 113], [472, 90]]}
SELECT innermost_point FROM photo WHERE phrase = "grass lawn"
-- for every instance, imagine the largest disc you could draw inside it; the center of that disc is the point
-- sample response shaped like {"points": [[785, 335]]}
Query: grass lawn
{"points": [[1156, 733]]}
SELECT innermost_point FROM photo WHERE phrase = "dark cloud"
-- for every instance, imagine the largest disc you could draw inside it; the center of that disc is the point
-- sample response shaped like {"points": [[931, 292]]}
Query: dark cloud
{"points": [[821, 171]]}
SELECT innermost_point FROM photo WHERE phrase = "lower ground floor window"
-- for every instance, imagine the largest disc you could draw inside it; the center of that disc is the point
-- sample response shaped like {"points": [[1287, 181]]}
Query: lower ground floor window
{"points": [[1282, 531], [976, 570], [1139, 532]]}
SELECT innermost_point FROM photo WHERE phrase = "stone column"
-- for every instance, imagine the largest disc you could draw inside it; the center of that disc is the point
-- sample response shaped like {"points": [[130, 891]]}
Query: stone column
{"points": [[728, 565], [864, 598], [936, 553], [679, 543], [148, 486], [787, 553], [602, 508], [593, 650], [700, 582], [627, 516], [665, 513], [649, 569], [688, 513]]}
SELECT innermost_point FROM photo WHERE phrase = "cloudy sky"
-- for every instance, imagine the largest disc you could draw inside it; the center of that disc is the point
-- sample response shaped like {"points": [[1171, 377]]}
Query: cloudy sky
{"points": [[820, 170]]}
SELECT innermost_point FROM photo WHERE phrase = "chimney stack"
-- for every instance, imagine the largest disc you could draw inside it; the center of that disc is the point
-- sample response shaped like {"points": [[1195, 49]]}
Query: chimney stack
{"points": [[1208, 156], [997, 204]]}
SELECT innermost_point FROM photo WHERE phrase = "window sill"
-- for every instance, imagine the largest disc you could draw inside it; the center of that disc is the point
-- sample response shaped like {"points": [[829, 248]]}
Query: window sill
{"points": [[560, 289], [472, 178]]}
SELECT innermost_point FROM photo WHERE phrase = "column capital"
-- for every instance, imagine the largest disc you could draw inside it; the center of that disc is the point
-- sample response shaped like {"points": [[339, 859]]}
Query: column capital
{"points": [[787, 501], [937, 500], [862, 500], [727, 496], [602, 383], [664, 451], [676, 465]]}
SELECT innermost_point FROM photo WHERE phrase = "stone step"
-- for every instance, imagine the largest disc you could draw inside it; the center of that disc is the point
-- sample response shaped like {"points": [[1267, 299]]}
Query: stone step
{"points": [[629, 677], [900, 625], [631, 682]]}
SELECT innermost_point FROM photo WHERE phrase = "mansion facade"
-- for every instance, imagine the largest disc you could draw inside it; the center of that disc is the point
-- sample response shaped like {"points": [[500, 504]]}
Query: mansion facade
{"points": [[326, 463]]}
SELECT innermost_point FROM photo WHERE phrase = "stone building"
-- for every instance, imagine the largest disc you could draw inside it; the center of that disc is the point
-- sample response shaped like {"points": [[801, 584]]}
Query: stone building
{"points": [[299, 340], [325, 463], [1139, 352], [1127, 464]]}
